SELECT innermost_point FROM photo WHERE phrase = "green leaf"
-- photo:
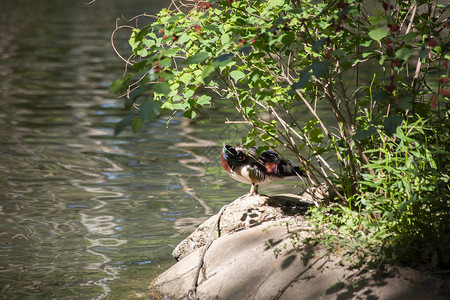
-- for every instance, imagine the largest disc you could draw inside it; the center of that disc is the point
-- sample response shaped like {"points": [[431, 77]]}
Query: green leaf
{"points": [[236, 75], [320, 68], [183, 39], [175, 18], [275, 3], [212, 27], [378, 34], [245, 50], [123, 124], [189, 114], [364, 133], [406, 102], [142, 32], [162, 88], [223, 60], [225, 39], [288, 38], [150, 110], [204, 100], [248, 142], [391, 123], [404, 53], [197, 58], [381, 95], [319, 44], [136, 124], [208, 73], [375, 20], [409, 36], [316, 135], [167, 105], [117, 86], [305, 75], [186, 78], [165, 62]]}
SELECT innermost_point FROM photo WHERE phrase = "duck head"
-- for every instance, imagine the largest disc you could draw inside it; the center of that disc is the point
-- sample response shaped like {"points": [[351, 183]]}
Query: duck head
{"points": [[233, 156]]}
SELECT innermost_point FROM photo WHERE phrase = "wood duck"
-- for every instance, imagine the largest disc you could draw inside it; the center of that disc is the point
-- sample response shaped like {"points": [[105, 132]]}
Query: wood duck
{"points": [[244, 166]]}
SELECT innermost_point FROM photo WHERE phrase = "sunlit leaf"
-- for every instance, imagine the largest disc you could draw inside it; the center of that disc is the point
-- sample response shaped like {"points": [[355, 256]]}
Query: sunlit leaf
{"points": [[378, 34], [276, 2], [204, 100], [236, 75], [316, 135]]}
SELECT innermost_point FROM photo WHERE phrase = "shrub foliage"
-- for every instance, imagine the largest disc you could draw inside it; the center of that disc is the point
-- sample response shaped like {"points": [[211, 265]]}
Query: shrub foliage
{"points": [[379, 68]]}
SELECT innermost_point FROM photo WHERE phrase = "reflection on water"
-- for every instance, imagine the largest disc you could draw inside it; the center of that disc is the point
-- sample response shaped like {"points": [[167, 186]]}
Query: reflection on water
{"points": [[82, 214]]}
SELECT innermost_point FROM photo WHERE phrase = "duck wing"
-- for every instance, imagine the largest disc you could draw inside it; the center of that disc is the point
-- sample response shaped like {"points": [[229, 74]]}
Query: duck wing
{"points": [[278, 166]]}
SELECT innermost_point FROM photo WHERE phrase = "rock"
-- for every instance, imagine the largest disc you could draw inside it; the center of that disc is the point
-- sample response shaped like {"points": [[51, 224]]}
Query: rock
{"points": [[241, 265], [261, 254], [245, 212]]}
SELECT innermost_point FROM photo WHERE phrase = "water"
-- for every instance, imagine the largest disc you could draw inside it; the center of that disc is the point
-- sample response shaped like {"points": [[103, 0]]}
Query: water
{"points": [[84, 215]]}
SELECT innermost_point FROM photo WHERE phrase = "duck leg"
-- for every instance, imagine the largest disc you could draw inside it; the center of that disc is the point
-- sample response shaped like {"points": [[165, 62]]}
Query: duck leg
{"points": [[254, 189]]}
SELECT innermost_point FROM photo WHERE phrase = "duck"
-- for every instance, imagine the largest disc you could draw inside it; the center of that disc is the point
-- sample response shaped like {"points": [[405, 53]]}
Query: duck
{"points": [[243, 165]]}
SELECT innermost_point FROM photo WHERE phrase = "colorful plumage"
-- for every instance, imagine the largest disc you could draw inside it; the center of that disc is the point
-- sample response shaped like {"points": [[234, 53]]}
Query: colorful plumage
{"points": [[244, 166]]}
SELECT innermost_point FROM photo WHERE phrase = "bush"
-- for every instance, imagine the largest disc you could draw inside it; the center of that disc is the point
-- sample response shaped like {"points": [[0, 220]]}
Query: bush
{"points": [[380, 68]]}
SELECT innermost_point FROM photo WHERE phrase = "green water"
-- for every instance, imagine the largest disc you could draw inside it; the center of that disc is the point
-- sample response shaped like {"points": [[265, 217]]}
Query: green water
{"points": [[84, 215]]}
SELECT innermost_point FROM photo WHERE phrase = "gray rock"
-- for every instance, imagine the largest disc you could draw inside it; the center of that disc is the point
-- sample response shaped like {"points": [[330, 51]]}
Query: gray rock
{"points": [[260, 253], [245, 212]]}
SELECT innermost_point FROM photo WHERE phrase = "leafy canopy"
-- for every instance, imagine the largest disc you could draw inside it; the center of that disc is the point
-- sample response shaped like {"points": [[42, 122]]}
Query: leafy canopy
{"points": [[375, 66]]}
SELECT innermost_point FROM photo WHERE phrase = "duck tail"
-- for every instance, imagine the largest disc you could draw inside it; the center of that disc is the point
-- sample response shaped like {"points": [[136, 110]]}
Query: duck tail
{"points": [[286, 168], [298, 171]]}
